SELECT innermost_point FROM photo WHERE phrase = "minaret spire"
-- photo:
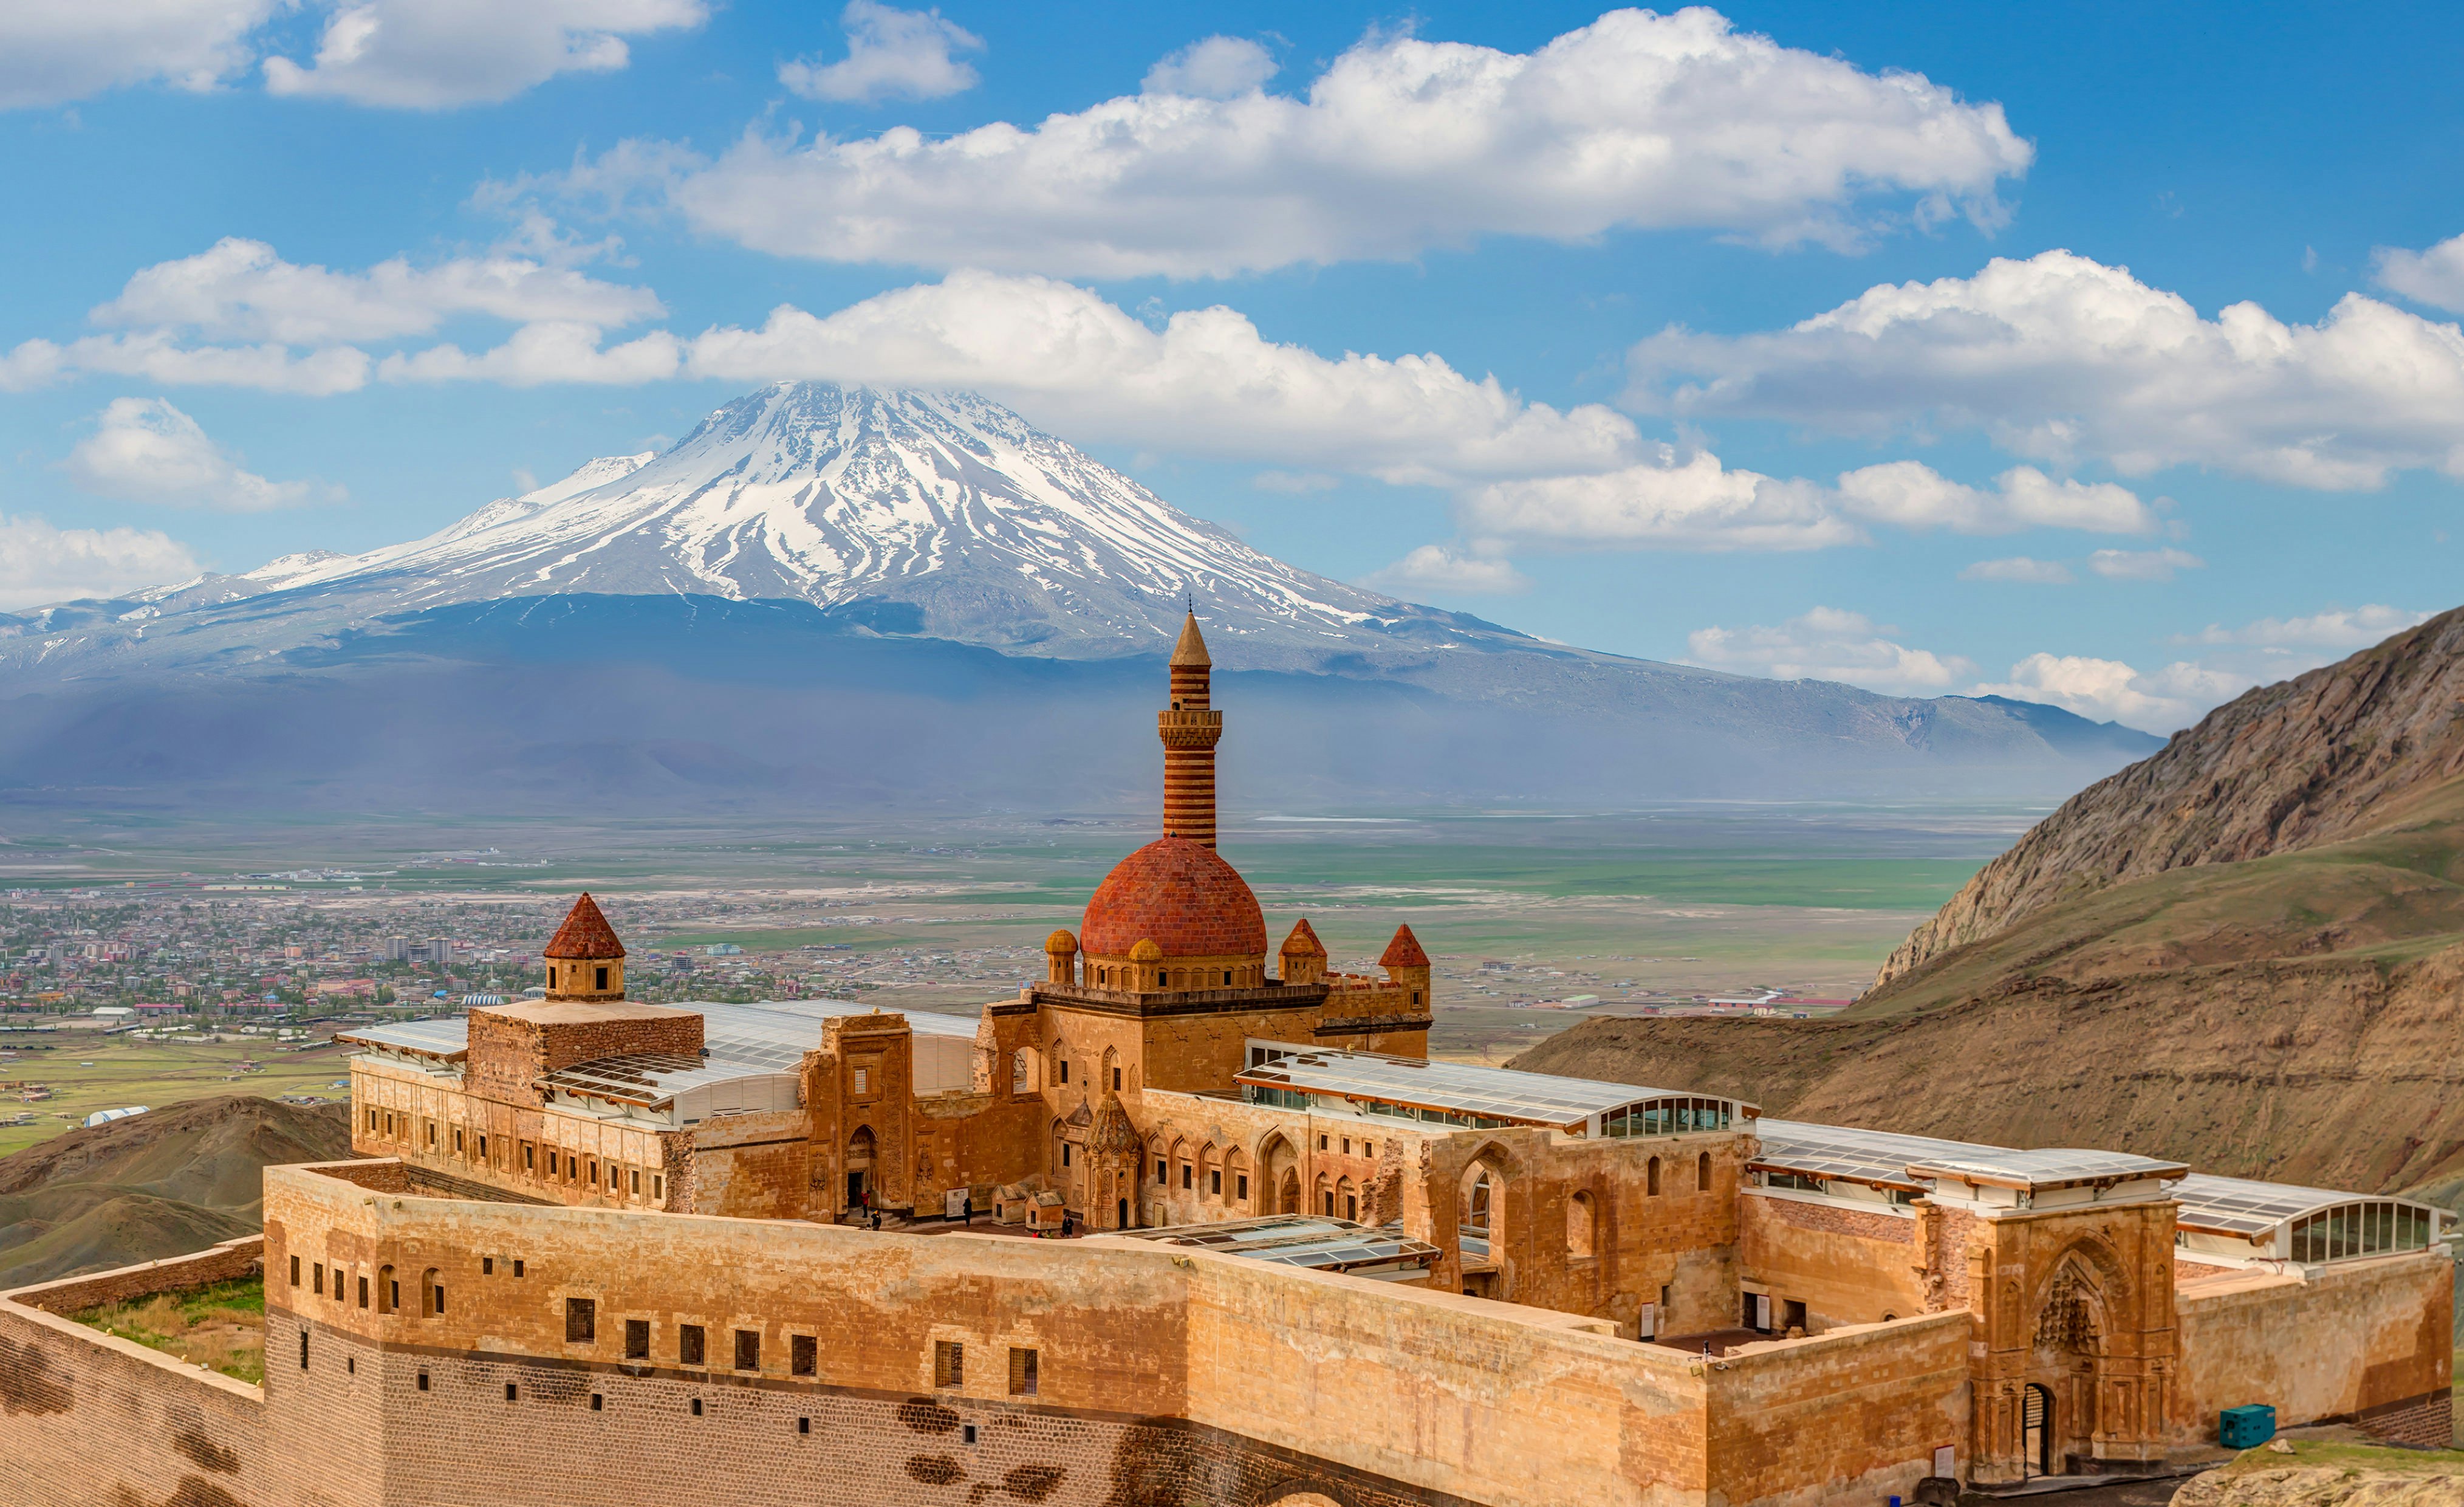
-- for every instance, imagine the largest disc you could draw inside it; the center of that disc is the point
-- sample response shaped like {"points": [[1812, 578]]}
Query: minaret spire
{"points": [[1190, 730]]}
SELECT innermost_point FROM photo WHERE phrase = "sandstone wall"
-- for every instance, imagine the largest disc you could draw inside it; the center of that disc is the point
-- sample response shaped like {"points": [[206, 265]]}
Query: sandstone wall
{"points": [[1853, 1415], [2370, 1341], [87, 1420], [1847, 1266]]}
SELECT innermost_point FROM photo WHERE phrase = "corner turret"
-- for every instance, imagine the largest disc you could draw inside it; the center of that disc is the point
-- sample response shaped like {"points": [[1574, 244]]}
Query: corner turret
{"points": [[586, 962]]}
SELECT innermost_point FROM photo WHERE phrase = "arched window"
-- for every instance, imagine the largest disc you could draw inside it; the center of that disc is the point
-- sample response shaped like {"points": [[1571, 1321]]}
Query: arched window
{"points": [[1325, 1196], [1477, 1202], [431, 1294], [1702, 1173], [1021, 1070], [1651, 1178], [1111, 1078], [1347, 1199], [389, 1291], [1578, 1225]]}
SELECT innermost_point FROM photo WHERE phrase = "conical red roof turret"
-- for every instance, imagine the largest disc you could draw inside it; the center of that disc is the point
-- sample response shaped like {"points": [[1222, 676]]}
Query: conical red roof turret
{"points": [[1405, 951], [584, 934], [1302, 942]]}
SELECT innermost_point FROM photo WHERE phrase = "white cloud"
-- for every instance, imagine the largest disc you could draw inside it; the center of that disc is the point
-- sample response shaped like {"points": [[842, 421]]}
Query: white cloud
{"points": [[2060, 359], [55, 51], [2019, 569], [1207, 383], [2345, 630], [2434, 277], [1828, 644], [538, 354], [1447, 570], [2143, 564], [421, 55], [891, 55], [146, 451], [242, 290], [1914, 496], [1635, 122], [1212, 68], [40, 563], [1688, 502], [2111, 691]]}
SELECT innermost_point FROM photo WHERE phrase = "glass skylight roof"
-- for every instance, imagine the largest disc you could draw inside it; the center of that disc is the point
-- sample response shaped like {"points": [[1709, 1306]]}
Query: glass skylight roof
{"points": [[1303, 1240], [1499, 1094], [2237, 1206]]}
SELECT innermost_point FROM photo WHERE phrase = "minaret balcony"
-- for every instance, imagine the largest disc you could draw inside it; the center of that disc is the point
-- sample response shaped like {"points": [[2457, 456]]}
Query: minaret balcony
{"points": [[1189, 729]]}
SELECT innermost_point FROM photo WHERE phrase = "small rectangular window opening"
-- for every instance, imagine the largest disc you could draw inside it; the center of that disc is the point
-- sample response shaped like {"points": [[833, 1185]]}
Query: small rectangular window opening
{"points": [[967, 1433], [517, 1266], [689, 1344], [748, 1349], [321, 1279], [364, 1292], [487, 1266], [580, 1320], [696, 1407], [637, 1338], [803, 1355], [1021, 1373], [804, 1425], [509, 1391], [422, 1380], [304, 1349], [949, 1364], [596, 1402], [294, 1271]]}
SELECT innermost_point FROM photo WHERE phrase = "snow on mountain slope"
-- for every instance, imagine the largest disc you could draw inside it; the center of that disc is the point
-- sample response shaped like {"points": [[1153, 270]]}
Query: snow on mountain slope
{"points": [[971, 524]]}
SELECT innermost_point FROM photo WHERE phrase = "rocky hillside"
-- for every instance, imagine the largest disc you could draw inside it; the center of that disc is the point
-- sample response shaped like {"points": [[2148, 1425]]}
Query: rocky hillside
{"points": [[2246, 952], [2322, 757], [157, 1185]]}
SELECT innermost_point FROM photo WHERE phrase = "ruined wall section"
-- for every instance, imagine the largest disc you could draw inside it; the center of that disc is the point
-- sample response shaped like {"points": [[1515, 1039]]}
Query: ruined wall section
{"points": [[1847, 1266], [1852, 1415], [2368, 1340], [86, 1418]]}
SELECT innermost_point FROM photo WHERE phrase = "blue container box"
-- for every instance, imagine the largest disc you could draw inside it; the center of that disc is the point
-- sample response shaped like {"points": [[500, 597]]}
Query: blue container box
{"points": [[2245, 1427]]}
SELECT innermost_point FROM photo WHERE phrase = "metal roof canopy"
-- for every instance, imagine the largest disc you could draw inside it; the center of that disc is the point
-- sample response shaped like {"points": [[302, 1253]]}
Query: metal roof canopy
{"points": [[1885, 1159], [447, 1039], [1531, 1099], [1302, 1240]]}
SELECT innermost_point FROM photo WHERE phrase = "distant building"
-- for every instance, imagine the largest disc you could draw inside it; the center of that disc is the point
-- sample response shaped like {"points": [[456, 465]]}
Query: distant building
{"points": [[104, 1117]]}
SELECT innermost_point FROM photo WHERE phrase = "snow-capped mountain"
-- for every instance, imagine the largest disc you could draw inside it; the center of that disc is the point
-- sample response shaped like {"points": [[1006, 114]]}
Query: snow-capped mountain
{"points": [[824, 596], [990, 530]]}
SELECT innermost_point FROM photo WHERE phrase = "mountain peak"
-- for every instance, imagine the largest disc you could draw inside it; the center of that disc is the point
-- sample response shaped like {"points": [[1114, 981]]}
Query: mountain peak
{"points": [[933, 513]]}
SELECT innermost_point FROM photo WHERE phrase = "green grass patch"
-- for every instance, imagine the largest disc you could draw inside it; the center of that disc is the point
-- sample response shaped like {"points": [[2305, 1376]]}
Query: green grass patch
{"points": [[2340, 1454], [221, 1326]]}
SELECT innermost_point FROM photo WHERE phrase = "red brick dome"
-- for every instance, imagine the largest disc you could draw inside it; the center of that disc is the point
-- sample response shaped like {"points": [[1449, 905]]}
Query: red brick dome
{"points": [[1180, 895]]}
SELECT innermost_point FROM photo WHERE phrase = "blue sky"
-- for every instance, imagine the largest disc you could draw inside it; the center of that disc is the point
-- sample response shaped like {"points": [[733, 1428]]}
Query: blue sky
{"points": [[2104, 355]]}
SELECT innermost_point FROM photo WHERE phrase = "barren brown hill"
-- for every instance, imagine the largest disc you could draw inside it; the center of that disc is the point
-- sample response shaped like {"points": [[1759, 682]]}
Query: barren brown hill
{"points": [[157, 1185], [2246, 952], [2322, 757]]}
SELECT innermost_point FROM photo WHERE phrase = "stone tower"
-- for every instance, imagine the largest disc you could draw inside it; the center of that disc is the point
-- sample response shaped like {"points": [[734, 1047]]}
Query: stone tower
{"points": [[1190, 731], [586, 962]]}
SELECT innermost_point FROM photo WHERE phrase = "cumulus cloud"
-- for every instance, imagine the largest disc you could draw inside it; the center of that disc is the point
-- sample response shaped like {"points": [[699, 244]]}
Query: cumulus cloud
{"points": [[1691, 501], [891, 55], [298, 328], [1635, 122], [243, 289], [2110, 691], [1207, 383], [1212, 68], [1448, 570], [40, 563], [55, 51], [1828, 644], [2434, 277], [2341, 629], [1915, 496], [2059, 358], [422, 56], [2019, 569], [146, 450], [2143, 564]]}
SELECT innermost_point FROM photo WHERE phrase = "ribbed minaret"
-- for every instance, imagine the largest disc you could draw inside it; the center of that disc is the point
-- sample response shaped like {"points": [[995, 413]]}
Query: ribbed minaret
{"points": [[1190, 731]]}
